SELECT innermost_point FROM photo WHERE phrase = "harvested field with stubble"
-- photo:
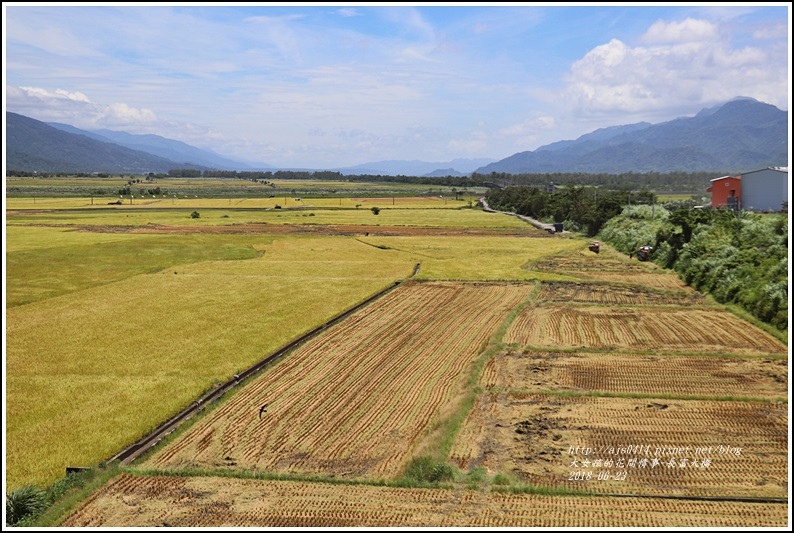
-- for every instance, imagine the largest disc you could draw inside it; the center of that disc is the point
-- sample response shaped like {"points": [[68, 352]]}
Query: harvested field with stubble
{"points": [[654, 447], [165, 501], [358, 401], [613, 294], [609, 266], [647, 415], [641, 374], [644, 329]]}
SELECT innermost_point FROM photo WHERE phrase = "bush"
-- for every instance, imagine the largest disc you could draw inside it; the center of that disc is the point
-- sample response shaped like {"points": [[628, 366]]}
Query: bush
{"points": [[375, 210], [501, 479], [441, 472], [23, 503], [195, 214], [425, 470]]}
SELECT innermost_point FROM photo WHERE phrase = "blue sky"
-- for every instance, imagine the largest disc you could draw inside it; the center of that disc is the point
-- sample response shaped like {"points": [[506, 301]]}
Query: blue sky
{"points": [[331, 85]]}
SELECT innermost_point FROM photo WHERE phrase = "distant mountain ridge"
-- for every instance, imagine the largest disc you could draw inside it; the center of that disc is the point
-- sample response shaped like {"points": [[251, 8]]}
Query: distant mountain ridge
{"points": [[170, 149], [32, 145], [740, 135], [456, 167]]}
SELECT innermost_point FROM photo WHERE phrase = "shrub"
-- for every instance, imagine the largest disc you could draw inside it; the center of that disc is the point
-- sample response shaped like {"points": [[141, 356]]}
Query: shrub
{"points": [[501, 479], [22, 503], [425, 470], [478, 474], [441, 472], [375, 210], [195, 214]]}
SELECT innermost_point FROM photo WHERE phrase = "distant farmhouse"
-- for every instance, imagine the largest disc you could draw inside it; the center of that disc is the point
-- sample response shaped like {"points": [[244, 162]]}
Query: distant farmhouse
{"points": [[759, 190]]}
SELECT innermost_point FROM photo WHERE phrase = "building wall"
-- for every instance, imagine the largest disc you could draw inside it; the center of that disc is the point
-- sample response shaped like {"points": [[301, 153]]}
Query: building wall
{"points": [[764, 190], [723, 188]]}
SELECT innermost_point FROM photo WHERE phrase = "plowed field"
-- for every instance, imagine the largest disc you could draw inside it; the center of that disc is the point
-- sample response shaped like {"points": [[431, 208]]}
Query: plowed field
{"points": [[713, 376], [357, 401], [704, 448], [641, 329], [132, 501]]}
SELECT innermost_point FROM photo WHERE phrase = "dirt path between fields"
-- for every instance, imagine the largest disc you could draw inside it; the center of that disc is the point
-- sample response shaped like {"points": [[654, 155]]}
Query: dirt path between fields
{"points": [[309, 229]]}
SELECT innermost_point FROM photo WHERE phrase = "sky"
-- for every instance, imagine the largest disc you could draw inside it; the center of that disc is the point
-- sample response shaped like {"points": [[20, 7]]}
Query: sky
{"points": [[326, 85]]}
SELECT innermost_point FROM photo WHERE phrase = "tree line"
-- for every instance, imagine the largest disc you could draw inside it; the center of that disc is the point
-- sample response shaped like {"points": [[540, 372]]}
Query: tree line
{"points": [[578, 208], [695, 182], [739, 258]]}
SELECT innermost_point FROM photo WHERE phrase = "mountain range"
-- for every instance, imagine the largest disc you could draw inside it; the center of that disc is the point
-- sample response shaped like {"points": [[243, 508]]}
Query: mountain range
{"points": [[738, 136]]}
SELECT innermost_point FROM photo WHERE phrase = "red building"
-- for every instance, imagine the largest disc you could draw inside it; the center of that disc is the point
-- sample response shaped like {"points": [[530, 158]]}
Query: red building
{"points": [[726, 191]]}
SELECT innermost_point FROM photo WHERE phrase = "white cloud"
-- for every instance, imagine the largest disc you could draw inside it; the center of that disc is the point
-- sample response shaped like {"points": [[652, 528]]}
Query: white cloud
{"points": [[44, 94], [76, 109], [124, 115], [694, 67], [348, 12], [684, 31], [772, 31], [303, 88], [474, 145], [528, 126]]}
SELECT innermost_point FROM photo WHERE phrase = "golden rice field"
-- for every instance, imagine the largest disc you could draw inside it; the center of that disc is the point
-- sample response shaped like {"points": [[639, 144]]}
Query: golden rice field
{"points": [[166, 501], [104, 189], [409, 212], [83, 368], [284, 200]]}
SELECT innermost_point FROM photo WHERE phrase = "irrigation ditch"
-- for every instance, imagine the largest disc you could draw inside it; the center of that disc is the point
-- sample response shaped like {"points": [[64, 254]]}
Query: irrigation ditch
{"points": [[132, 452]]}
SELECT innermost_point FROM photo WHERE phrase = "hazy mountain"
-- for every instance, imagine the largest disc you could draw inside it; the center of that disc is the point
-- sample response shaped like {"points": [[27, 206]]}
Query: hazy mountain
{"points": [[738, 136], [32, 145], [160, 146], [444, 172], [53, 146], [415, 168]]}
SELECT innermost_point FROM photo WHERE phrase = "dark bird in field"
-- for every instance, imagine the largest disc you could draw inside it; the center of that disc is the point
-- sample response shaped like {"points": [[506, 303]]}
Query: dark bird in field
{"points": [[262, 410]]}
